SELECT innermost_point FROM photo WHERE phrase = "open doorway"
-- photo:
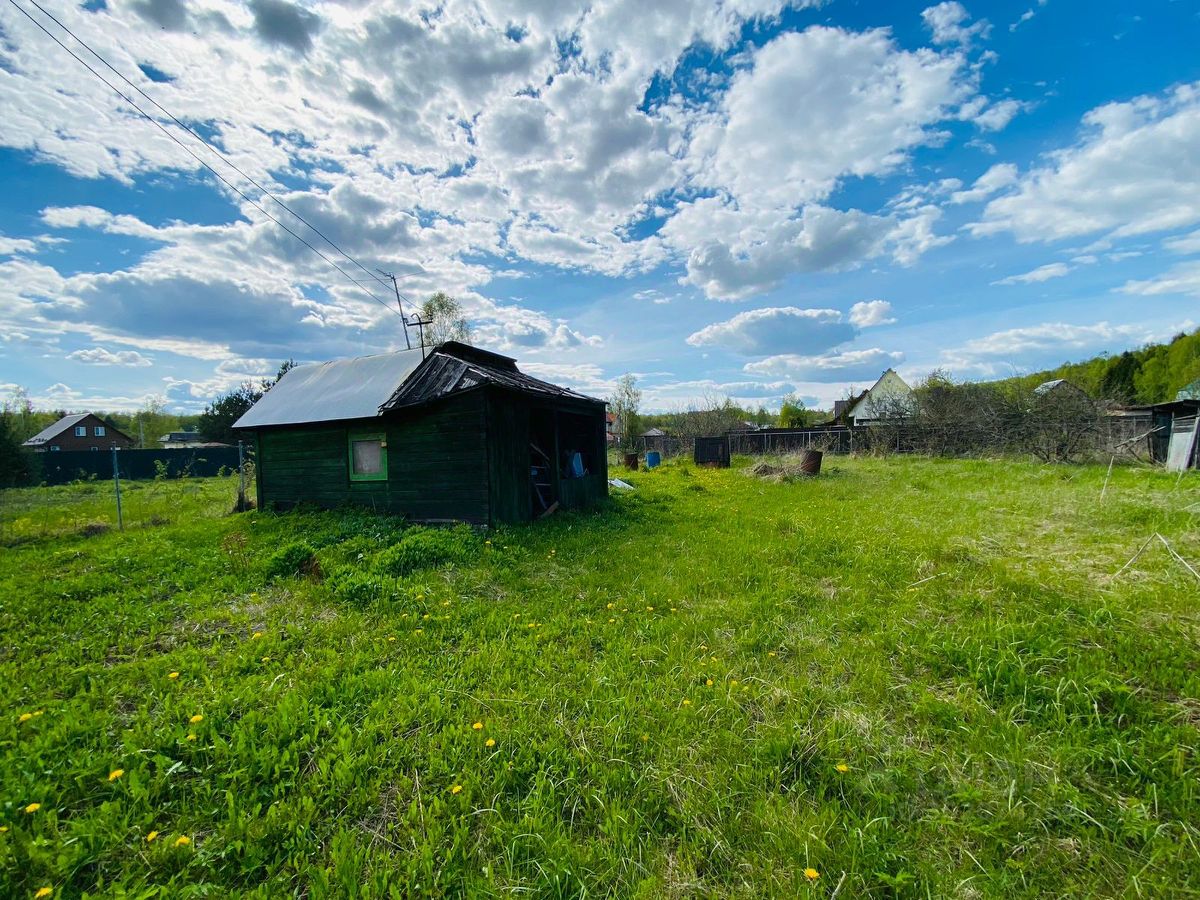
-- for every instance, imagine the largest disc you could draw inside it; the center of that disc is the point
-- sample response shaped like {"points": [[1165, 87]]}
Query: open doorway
{"points": [[543, 472]]}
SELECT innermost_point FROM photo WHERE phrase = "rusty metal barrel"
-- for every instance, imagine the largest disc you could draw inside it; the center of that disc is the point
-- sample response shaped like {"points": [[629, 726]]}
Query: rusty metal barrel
{"points": [[810, 462], [631, 461]]}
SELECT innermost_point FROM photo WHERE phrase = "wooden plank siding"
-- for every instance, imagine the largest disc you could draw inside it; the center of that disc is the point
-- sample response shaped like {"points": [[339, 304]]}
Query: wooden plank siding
{"points": [[436, 463], [465, 458], [508, 458]]}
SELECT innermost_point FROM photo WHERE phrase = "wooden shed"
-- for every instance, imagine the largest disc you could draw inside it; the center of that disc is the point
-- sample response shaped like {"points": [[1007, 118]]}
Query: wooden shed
{"points": [[462, 435]]}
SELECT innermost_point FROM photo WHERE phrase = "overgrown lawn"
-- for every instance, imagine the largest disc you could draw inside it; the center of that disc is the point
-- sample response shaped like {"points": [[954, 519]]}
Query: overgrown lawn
{"points": [[907, 677]]}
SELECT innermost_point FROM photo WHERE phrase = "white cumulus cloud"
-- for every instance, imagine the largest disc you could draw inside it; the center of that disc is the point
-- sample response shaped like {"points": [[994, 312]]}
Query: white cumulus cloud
{"points": [[1134, 170], [866, 313]]}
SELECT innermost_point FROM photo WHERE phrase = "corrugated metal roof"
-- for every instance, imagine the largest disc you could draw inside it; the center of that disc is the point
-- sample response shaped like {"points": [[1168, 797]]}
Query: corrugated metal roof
{"points": [[370, 385], [56, 429], [328, 392]]}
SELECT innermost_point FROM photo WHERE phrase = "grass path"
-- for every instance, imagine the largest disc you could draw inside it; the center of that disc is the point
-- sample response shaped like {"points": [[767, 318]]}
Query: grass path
{"points": [[905, 678]]}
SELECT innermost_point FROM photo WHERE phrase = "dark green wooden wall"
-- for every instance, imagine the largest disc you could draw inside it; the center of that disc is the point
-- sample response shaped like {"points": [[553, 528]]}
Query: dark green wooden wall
{"points": [[465, 458], [436, 462]]}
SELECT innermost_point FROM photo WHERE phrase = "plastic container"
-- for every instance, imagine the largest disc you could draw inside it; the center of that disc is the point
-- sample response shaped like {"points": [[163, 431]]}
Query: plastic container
{"points": [[653, 459]]}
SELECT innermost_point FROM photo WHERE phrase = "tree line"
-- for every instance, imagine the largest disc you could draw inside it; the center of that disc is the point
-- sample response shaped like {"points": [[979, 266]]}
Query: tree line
{"points": [[1151, 374]]}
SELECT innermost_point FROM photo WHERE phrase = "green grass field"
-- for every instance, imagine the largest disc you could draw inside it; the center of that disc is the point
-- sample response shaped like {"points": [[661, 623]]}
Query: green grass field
{"points": [[905, 678]]}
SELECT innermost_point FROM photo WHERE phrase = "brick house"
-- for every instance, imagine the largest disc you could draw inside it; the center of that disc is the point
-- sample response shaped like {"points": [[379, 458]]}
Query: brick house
{"points": [[82, 431]]}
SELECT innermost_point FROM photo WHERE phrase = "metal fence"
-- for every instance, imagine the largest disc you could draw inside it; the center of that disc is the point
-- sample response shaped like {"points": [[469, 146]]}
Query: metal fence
{"points": [[65, 466], [1129, 436]]}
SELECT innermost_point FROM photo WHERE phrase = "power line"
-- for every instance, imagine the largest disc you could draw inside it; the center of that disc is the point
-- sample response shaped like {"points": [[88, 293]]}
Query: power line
{"points": [[202, 140], [192, 153]]}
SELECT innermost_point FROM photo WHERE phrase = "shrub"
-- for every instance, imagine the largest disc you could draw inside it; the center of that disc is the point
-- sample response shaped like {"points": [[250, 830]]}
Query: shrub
{"points": [[425, 548], [355, 586], [290, 559]]}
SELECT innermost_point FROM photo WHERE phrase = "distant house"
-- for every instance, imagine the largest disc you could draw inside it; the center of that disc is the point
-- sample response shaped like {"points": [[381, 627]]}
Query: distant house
{"points": [[884, 400], [653, 433], [82, 431], [610, 428], [462, 435], [184, 440], [1060, 387]]}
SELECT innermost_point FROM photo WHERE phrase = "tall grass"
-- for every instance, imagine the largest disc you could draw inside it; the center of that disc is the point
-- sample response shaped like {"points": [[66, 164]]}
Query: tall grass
{"points": [[904, 678]]}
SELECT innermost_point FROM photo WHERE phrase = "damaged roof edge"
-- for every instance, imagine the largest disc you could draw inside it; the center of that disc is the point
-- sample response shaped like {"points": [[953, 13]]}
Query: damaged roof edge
{"points": [[368, 386]]}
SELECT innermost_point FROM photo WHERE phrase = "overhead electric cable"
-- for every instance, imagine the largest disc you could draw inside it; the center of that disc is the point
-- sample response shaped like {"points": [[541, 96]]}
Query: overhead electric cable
{"points": [[192, 153], [202, 140]]}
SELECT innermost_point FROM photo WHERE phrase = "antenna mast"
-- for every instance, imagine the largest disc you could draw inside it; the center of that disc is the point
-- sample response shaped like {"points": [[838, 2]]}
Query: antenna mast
{"points": [[403, 318]]}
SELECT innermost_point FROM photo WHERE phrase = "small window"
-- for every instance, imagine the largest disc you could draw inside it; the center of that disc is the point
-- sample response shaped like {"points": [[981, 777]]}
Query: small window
{"points": [[368, 457], [80, 431], [55, 447], [95, 448], [99, 431]]}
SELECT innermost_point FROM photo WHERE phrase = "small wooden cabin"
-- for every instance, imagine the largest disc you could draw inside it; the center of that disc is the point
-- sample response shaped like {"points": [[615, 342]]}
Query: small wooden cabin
{"points": [[462, 435]]}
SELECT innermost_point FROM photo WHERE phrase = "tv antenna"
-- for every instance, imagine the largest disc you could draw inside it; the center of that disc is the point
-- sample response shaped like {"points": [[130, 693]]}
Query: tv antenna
{"points": [[414, 319]]}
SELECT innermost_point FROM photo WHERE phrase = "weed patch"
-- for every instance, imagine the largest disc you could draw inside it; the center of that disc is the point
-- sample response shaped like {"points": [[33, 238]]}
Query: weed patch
{"points": [[917, 678]]}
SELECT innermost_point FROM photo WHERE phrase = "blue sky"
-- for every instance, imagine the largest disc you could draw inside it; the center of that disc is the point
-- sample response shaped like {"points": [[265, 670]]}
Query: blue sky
{"points": [[742, 199]]}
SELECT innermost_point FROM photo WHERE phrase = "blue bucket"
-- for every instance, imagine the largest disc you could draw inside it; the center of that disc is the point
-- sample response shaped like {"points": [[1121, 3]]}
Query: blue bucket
{"points": [[653, 458]]}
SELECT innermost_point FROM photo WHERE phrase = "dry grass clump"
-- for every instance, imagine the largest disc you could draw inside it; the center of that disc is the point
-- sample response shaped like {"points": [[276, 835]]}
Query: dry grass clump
{"points": [[780, 470]]}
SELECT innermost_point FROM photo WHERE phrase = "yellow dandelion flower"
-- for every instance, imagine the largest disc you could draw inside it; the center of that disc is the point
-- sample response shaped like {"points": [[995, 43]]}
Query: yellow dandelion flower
{"points": [[196, 718], [645, 737], [733, 683], [487, 543], [649, 609], [38, 712], [191, 737], [33, 807], [25, 717], [266, 659], [687, 702], [611, 621], [420, 596], [531, 625], [811, 874], [392, 639], [708, 682], [704, 646], [445, 603], [478, 726], [182, 841], [172, 675], [490, 742], [457, 789], [842, 767], [43, 892], [419, 631], [3, 829], [256, 635], [426, 616], [770, 653], [610, 606], [115, 774], [673, 609], [151, 836]]}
